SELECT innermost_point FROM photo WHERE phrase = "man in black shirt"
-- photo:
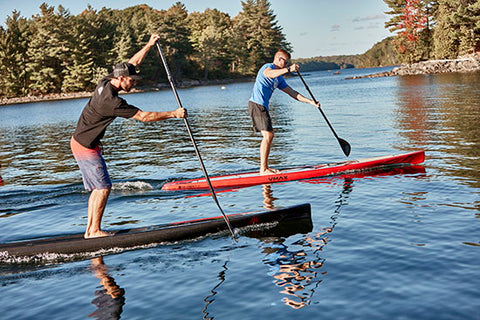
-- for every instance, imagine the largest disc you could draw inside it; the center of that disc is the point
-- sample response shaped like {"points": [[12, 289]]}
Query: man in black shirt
{"points": [[102, 108]]}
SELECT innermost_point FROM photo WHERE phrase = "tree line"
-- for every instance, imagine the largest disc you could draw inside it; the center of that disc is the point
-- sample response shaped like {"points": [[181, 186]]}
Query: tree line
{"points": [[434, 29], [55, 51], [422, 30]]}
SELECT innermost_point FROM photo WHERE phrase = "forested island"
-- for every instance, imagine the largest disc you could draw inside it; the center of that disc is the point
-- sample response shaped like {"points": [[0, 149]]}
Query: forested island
{"points": [[55, 54]]}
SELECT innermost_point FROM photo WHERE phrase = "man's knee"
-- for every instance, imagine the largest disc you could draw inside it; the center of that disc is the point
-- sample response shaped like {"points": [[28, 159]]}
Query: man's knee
{"points": [[267, 136], [102, 192]]}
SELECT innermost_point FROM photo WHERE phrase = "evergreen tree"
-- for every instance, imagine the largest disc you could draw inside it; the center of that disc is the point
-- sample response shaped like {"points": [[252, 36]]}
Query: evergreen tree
{"points": [[172, 25], [48, 50], [458, 28], [78, 69], [99, 29], [260, 31], [444, 40], [55, 51], [13, 49], [123, 44], [396, 14], [467, 22], [209, 32]]}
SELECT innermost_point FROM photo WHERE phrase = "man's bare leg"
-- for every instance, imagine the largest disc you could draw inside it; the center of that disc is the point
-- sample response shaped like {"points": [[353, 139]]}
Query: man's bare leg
{"points": [[265, 152], [96, 206]]}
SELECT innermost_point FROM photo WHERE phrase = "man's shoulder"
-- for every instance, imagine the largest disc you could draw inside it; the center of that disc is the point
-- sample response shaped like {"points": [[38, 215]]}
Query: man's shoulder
{"points": [[268, 65], [260, 74], [104, 89]]}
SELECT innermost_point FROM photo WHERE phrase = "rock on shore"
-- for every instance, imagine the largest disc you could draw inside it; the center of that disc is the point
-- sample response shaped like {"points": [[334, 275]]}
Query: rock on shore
{"points": [[468, 63]]}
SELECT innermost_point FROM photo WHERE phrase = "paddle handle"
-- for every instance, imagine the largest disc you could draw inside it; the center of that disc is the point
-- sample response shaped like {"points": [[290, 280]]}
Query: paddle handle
{"points": [[194, 143]]}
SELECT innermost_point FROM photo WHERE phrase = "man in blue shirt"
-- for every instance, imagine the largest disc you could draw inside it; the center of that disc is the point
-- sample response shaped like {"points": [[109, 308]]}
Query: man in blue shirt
{"points": [[270, 77]]}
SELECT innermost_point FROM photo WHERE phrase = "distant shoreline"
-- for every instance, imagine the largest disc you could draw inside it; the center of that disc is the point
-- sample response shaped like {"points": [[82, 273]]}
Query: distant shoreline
{"points": [[86, 94], [467, 63]]}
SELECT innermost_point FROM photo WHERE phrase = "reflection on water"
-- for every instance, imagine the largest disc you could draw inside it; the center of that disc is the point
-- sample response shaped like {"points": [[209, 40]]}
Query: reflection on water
{"points": [[442, 113], [298, 272], [110, 299], [438, 113], [268, 197], [38, 152], [210, 298]]}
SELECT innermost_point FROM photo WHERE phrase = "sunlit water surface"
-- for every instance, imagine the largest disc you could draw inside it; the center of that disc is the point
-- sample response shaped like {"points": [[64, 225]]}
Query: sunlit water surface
{"points": [[386, 245]]}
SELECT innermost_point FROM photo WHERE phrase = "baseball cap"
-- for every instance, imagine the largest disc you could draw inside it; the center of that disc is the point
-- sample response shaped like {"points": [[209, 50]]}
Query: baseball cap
{"points": [[125, 69]]}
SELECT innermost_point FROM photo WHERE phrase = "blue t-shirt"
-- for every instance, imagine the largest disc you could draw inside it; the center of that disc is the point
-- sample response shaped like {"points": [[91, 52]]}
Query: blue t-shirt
{"points": [[264, 86]]}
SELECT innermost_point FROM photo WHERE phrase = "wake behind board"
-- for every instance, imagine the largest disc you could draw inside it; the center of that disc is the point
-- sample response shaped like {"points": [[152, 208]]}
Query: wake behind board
{"points": [[76, 245], [297, 173]]}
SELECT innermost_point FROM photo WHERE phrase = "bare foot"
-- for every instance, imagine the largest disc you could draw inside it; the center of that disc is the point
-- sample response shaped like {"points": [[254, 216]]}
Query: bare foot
{"points": [[97, 234], [269, 171]]}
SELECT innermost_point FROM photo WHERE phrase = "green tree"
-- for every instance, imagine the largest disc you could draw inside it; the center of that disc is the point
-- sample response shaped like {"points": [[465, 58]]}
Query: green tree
{"points": [[55, 51], [172, 25], [466, 23], [444, 38], [48, 50], [78, 69], [458, 28], [13, 56], [381, 54], [261, 33], [209, 34], [123, 44], [396, 14], [99, 28]]}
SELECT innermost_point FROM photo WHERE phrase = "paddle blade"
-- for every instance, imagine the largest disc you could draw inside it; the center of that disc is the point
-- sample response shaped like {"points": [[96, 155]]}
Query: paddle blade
{"points": [[345, 146]]}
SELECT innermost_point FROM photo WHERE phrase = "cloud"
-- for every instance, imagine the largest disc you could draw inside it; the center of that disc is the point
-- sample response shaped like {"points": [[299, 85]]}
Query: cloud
{"points": [[369, 18], [335, 27], [371, 25]]}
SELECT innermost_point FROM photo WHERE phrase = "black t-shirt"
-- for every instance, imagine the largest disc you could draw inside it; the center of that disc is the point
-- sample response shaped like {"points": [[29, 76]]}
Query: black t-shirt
{"points": [[102, 108]]}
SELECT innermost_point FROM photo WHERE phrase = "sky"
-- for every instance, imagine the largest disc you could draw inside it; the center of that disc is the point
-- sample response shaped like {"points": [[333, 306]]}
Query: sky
{"points": [[313, 27]]}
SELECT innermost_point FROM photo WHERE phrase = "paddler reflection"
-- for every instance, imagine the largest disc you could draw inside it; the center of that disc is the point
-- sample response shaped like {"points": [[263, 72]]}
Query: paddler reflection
{"points": [[211, 297], [298, 272], [110, 299], [268, 197]]}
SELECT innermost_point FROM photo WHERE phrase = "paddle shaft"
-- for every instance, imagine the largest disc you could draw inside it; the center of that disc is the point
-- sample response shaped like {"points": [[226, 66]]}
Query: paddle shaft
{"points": [[174, 89], [343, 144]]}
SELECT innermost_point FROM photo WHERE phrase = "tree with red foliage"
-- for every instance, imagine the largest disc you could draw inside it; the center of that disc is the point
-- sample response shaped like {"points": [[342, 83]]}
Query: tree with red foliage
{"points": [[411, 21], [414, 20]]}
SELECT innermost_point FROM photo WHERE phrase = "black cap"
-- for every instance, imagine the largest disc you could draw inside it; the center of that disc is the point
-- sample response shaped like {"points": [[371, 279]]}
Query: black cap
{"points": [[125, 69]]}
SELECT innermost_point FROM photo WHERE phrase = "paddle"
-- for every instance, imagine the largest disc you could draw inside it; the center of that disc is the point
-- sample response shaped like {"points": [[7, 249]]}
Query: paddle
{"points": [[170, 79], [343, 144]]}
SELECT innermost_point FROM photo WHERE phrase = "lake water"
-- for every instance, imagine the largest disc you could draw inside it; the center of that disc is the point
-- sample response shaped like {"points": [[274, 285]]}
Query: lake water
{"points": [[391, 245]]}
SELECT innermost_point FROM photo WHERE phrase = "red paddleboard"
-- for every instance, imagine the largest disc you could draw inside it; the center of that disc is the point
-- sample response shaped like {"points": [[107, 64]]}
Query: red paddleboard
{"points": [[297, 173]]}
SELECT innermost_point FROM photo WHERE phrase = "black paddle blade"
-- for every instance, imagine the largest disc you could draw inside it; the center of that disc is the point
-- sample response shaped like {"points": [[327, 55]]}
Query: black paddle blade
{"points": [[345, 146]]}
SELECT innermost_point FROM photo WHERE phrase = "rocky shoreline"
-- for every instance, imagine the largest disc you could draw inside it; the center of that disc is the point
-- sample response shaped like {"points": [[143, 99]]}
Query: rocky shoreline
{"points": [[85, 94], [468, 63]]}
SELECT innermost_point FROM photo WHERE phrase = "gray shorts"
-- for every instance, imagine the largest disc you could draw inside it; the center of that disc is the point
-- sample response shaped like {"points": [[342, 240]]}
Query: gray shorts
{"points": [[261, 119]]}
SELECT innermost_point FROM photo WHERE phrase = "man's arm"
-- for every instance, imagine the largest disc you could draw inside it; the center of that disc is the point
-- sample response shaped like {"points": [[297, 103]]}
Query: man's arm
{"points": [[140, 55], [297, 96], [273, 73], [151, 116]]}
